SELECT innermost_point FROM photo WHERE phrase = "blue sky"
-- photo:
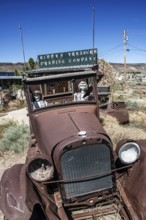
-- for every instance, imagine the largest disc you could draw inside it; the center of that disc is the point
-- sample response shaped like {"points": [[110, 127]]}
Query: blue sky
{"points": [[51, 26]]}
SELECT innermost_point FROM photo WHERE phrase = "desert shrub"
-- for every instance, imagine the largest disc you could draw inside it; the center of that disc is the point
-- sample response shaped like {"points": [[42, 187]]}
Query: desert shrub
{"points": [[117, 87], [133, 106], [4, 125], [15, 138]]}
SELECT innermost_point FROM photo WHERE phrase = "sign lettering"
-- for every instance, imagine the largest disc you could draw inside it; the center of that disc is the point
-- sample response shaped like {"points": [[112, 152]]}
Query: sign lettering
{"points": [[69, 59]]}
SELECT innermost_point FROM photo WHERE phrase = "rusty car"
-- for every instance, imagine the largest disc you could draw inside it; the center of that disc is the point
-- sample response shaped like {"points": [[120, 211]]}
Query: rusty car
{"points": [[72, 170]]}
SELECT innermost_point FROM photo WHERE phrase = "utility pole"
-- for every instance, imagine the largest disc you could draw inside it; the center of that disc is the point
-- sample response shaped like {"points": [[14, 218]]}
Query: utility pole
{"points": [[20, 28], [125, 70], [93, 23]]}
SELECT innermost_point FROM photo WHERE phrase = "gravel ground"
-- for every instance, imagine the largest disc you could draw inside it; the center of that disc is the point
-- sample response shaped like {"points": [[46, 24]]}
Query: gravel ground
{"points": [[18, 115]]}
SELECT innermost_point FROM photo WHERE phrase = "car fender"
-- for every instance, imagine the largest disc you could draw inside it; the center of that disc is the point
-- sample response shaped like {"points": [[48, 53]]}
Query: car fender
{"points": [[14, 191]]}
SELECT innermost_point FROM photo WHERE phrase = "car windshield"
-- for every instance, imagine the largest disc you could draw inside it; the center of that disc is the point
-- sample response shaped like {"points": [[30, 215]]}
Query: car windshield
{"points": [[62, 91]]}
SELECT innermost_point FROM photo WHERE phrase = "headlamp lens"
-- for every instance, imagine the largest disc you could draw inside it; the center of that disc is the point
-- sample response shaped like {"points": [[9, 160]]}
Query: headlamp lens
{"points": [[129, 152]]}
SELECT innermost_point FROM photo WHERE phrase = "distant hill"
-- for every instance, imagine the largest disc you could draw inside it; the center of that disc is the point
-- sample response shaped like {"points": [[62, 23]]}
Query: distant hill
{"points": [[136, 67], [11, 67]]}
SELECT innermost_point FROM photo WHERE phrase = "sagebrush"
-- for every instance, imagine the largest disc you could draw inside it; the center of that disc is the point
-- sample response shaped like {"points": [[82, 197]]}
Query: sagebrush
{"points": [[15, 138], [4, 125]]}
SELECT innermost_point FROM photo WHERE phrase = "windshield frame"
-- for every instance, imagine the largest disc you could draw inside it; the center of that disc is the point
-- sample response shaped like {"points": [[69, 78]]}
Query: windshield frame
{"points": [[28, 82]]}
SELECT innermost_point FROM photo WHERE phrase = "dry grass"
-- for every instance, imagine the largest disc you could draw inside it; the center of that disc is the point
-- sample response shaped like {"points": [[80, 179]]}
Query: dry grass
{"points": [[138, 119], [134, 96], [135, 130]]}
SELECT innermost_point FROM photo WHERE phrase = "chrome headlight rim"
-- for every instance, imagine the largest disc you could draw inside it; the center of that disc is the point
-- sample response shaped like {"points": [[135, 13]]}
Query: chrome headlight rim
{"points": [[128, 150]]}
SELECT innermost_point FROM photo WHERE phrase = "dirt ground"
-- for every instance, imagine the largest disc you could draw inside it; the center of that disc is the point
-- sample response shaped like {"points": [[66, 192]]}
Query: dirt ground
{"points": [[18, 115]]}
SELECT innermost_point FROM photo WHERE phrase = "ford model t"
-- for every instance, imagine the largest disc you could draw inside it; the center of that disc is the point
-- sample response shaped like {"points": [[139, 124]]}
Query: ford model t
{"points": [[71, 170]]}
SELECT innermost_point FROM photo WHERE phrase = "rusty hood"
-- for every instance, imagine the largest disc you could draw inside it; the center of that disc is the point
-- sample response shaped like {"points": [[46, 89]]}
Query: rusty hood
{"points": [[50, 129]]}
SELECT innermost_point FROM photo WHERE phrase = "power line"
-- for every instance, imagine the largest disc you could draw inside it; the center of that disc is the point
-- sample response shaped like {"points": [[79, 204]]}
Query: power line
{"points": [[135, 52], [115, 57], [114, 53], [138, 31], [139, 49], [106, 51]]}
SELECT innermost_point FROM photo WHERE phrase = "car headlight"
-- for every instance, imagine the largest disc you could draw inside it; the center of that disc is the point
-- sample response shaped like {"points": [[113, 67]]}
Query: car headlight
{"points": [[129, 152], [40, 170]]}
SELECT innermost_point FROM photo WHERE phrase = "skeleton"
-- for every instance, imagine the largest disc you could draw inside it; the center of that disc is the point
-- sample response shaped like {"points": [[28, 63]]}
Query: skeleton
{"points": [[38, 102], [81, 95]]}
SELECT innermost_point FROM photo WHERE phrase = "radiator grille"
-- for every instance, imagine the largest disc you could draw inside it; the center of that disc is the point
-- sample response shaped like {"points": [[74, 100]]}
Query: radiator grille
{"points": [[86, 161]]}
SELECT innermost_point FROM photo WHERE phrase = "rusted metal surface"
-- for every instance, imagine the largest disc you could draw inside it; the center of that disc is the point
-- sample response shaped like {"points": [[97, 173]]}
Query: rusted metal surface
{"points": [[103, 95], [119, 111], [72, 121], [127, 203], [13, 191], [71, 171], [133, 183]]}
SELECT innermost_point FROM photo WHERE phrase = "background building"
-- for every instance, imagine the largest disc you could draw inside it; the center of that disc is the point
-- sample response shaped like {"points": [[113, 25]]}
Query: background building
{"points": [[8, 79]]}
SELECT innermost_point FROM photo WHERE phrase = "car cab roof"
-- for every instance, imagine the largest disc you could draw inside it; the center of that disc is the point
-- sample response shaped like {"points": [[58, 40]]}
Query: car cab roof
{"points": [[59, 75]]}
